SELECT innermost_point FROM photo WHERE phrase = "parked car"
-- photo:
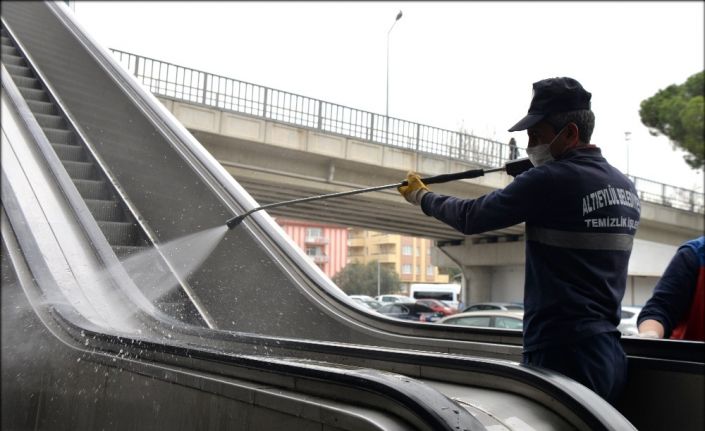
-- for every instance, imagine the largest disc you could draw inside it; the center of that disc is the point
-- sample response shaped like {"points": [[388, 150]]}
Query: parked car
{"points": [[507, 306], [367, 301], [437, 306], [627, 324], [386, 299], [507, 319], [410, 311]]}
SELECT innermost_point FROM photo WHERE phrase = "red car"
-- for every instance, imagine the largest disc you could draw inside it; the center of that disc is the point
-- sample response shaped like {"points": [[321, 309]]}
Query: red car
{"points": [[437, 306]]}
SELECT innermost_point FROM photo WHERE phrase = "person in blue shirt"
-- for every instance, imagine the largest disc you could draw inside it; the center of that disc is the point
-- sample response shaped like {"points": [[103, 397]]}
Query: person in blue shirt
{"points": [[677, 308], [580, 215]]}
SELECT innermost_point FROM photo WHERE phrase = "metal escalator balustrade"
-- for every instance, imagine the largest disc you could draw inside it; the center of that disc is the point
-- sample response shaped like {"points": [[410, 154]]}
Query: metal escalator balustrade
{"points": [[116, 223]]}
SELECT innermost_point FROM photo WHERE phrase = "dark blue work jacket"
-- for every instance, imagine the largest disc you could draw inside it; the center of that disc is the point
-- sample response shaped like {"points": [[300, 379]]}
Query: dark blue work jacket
{"points": [[581, 215]]}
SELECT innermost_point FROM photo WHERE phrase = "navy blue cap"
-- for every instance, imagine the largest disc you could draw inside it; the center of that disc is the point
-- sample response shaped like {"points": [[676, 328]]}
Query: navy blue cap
{"points": [[554, 95]]}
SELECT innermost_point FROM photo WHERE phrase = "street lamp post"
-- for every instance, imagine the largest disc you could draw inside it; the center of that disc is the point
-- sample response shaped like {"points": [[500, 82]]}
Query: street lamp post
{"points": [[627, 138], [378, 279], [387, 104]]}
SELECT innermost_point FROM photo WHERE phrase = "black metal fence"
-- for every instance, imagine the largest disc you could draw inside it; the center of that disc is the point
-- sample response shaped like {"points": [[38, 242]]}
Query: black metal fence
{"points": [[190, 85]]}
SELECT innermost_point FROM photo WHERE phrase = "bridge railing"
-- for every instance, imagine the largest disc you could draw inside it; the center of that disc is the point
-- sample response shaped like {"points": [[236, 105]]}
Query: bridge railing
{"points": [[668, 195], [170, 80], [191, 85]]}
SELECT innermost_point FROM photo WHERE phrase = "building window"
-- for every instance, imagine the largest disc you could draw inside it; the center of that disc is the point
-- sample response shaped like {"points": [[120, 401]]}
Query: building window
{"points": [[406, 269], [429, 270], [314, 235], [418, 270], [314, 232], [406, 250], [314, 251]]}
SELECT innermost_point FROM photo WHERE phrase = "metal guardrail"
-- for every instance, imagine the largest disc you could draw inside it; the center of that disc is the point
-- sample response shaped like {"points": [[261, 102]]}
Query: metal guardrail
{"points": [[668, 195], [195, 86]]}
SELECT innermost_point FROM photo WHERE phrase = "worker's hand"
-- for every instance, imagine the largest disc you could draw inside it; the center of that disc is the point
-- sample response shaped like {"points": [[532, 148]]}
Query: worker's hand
{"points": [[651, 328], [414, 190]]}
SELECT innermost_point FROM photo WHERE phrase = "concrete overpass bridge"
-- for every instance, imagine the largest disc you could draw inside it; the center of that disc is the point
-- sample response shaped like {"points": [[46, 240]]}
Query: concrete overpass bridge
{"points": [[283, 146]]}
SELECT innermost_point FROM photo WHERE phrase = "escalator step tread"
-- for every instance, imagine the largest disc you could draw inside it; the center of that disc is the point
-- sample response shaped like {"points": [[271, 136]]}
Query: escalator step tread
{"points": [[26, 81], [50, 121], [39, 107], [9, 49], [105, 210], [80, 170], [92, 189], [59, 136], [13, 60], [34, 94], [119, 233], [74, 153], [18, 70], [125, 251]]}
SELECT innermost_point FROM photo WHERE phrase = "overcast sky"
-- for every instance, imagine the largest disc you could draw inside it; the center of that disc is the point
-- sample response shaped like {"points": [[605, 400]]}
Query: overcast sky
{"points": [[452, 65]]}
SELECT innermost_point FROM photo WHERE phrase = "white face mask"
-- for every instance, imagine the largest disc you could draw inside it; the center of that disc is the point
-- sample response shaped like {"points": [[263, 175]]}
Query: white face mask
{"points": [[541, 154]]}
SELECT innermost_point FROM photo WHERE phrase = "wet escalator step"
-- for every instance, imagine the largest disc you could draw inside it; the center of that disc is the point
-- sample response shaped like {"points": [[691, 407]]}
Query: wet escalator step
{"points": [[8, 49], [74, 153], [50, 121], [39, 107], [93, 189], [13, 60], [105, 210], [80, 170], [125, 251], [34, 94], [59, 136], [17, 70], [26, 82], [119, 233]]}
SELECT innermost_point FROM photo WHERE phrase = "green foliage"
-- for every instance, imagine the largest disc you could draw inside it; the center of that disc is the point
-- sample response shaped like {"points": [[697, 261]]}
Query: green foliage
{"points": [[678, 112], [452, 272], [359, 279]]}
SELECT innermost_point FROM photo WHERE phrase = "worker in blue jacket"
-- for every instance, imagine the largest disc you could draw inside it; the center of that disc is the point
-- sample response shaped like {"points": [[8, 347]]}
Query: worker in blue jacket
{"points": [[581, 215], [677, 308]]}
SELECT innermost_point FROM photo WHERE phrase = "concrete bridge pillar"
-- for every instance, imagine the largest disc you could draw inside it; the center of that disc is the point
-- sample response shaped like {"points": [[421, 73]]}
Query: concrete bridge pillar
{"points": [[491, 271], [477, 282]]}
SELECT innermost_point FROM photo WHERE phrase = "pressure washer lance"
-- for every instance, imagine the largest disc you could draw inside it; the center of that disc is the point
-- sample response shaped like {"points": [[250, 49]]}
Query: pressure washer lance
{"points": [[513, 168]]}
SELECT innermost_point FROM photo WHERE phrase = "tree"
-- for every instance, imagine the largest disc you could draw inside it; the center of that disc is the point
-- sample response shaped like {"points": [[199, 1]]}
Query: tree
{"points": [[451, 271], [359, 279], [678, 112]]}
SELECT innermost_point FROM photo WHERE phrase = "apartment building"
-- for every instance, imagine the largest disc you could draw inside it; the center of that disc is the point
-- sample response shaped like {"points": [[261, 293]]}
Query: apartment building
{"points": [[325, 244], [410, 257]]}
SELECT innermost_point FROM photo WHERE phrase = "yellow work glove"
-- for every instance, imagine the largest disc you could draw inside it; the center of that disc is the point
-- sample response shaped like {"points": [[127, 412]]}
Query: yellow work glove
{"points": [[415, 189]]}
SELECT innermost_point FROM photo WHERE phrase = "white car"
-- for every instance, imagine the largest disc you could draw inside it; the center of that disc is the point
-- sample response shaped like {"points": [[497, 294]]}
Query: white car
{"points": [[388, 299], [627, 326]]}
